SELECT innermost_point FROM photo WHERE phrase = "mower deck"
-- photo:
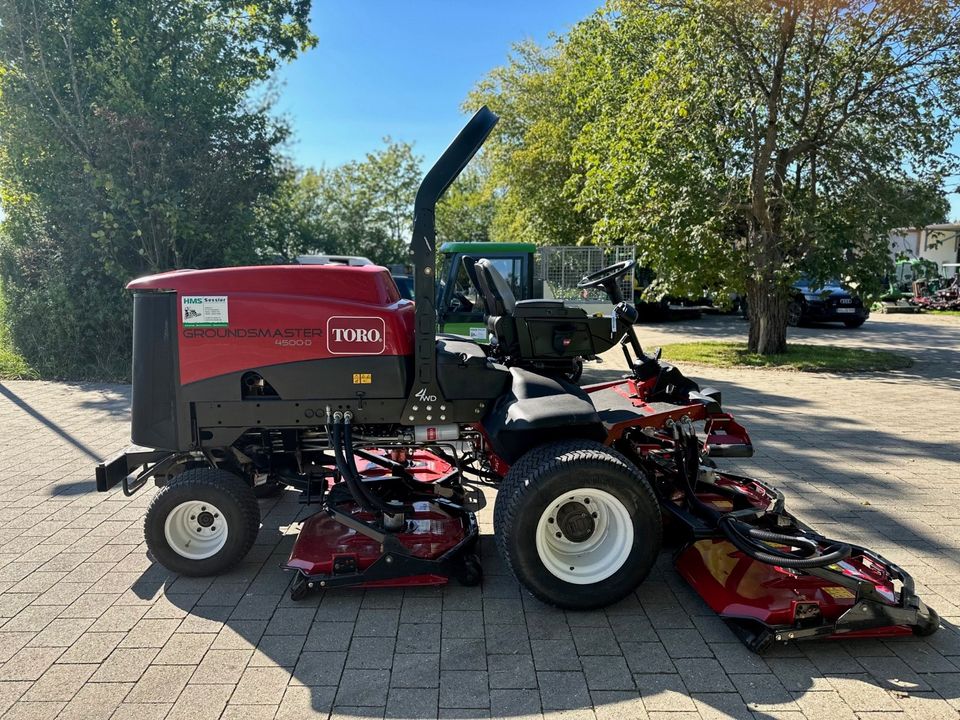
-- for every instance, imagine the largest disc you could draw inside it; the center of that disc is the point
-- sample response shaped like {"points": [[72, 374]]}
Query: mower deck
{"points": [[338, 547], [433, 545]]}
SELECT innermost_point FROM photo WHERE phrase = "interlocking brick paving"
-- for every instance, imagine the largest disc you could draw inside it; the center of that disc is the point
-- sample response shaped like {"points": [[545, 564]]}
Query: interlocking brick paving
{"points": [[90, 628]]}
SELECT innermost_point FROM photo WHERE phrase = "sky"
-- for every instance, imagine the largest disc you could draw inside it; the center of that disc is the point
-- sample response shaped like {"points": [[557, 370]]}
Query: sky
{"points": [[403, 69]]}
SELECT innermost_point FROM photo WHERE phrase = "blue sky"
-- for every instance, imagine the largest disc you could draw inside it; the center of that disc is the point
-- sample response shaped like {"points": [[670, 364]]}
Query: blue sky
{"points": [[403, 69]]}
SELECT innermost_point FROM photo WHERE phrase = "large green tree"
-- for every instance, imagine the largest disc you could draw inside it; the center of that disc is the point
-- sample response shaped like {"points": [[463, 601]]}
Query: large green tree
{"points": [[466, 211], [292, 220], [741, 143], [366, 205], [135, 138]]}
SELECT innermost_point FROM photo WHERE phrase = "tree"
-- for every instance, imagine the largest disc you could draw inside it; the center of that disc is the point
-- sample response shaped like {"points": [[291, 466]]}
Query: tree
{"points": [[292, 221], [131, 143], [530, 153], [465, 212], [739, 144], [367, 206]]}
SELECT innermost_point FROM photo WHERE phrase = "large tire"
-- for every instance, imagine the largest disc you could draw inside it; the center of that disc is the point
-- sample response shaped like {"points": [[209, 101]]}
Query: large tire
{"points": [[202, 523], [544, 495]]}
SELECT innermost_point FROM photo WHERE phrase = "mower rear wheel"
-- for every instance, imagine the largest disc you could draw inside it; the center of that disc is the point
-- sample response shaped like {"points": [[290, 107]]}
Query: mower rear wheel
{"points": [[202, 523], [578, 524], [470, 573]]}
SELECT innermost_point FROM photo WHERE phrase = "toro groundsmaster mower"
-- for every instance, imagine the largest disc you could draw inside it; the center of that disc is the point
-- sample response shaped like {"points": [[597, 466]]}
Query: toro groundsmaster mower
{"points": [[322, 378]]}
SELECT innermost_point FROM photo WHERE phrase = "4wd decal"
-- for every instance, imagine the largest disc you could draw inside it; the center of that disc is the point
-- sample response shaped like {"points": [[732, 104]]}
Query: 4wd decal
{"points": [[351, 335], [204, 311], [423, 396]]}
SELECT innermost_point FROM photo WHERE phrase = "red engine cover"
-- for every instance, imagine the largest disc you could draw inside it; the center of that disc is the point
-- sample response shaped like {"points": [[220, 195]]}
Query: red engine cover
{"points": [[235, 319]]}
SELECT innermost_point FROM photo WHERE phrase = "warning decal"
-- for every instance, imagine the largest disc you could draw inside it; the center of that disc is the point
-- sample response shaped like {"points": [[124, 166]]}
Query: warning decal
{"points": [[204, 311]]}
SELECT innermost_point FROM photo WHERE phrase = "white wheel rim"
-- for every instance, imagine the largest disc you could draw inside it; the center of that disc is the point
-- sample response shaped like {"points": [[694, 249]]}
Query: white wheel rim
{"points": [[195, 530], [574, 551]]}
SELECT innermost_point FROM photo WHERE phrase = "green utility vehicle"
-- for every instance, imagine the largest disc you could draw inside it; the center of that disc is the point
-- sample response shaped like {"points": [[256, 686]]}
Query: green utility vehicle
{"points": [[459, 308]]}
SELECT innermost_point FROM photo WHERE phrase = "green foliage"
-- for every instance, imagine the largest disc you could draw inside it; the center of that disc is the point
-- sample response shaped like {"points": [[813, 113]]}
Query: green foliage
{"points": [[12, 364], [131, 144], [802, 358], [530, 153], [737, 144], [465, 212], [367, 206], [291, 220]]}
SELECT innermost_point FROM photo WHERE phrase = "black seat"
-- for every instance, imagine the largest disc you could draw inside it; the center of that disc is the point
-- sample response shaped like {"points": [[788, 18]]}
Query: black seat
{"points": [[507, 318], [539, 409]]}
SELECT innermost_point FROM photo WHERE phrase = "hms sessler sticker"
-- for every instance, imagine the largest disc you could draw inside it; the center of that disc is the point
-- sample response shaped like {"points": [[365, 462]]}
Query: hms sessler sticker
{"points": [[204, 310]]}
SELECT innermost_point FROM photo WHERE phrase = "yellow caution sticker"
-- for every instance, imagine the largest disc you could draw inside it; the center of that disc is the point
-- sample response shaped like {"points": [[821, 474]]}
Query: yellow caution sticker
{"points": [[362, 378], [839, 592]]}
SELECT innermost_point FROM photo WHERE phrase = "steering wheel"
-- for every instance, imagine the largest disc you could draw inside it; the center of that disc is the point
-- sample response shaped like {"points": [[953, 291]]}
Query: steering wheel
{"points": [[607, 278], [603, 276]]}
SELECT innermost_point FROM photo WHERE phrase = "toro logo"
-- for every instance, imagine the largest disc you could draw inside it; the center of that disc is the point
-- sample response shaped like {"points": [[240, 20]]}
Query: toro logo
{"points": [[356, 335]]}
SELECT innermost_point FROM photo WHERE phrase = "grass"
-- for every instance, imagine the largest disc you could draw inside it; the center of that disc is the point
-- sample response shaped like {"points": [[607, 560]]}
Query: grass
{"points": [[952, 313], [802, 358], [12, 364]]}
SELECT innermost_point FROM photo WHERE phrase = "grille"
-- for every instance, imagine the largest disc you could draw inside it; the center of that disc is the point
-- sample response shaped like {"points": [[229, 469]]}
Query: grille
{"points": [[561, 268]]}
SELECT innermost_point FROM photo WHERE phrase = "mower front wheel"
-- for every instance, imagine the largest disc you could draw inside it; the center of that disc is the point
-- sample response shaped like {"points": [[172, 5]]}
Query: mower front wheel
{"points": [[578, 524], [929, 625], [202, 523]]}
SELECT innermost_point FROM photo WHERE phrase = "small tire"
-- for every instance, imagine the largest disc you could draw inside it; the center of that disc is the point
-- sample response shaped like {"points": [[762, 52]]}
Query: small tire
{"points": [[551, 481], [470, 574], [211, 496], [929, 627], [853, 324], [299, 589], [574, 375], [794, 314]]}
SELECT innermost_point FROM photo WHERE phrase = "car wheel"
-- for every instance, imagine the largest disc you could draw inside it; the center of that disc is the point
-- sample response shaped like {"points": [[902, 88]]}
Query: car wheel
{"points": [[202, 523], [578, 524], [794, 313]]}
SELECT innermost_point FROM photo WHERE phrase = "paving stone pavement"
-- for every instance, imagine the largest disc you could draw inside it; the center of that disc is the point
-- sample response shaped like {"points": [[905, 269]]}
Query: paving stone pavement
{"points": [[91, 629]]}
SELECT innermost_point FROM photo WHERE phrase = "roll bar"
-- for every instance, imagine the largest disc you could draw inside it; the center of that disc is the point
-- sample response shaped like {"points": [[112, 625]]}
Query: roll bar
{"points": [[423, 248]]}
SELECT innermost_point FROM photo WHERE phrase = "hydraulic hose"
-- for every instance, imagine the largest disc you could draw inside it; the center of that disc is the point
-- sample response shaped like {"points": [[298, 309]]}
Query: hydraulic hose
{"points": [[346, 455], [752, 540], [354, 484], [749, 543]]}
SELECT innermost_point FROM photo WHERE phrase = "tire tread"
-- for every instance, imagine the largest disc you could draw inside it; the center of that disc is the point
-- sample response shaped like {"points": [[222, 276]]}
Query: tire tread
{"points": [[241, 493], [542, 460]]}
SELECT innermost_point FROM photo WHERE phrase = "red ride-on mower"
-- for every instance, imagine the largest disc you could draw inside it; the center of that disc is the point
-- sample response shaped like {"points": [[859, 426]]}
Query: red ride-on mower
{"points": [[322, 378]]}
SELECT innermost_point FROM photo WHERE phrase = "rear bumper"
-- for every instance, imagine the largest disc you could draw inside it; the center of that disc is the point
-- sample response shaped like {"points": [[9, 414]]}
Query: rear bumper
{"points": [[820, 312], [130, 460]]}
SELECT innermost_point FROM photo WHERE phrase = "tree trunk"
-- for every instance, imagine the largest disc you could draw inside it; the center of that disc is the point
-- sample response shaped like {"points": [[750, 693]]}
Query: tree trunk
{"points": [[768, 317]]}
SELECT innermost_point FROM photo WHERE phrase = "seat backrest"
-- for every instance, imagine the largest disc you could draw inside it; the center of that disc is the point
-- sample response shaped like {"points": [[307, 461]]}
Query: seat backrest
{"points": [[497, 295]]}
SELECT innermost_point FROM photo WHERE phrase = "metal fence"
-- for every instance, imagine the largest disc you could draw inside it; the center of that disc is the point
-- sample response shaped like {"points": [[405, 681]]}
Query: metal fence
{"points": [[562, 267]]}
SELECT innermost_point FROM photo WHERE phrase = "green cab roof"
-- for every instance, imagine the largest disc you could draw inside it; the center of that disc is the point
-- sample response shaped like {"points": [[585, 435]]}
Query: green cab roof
{"points": [[488, 248]]}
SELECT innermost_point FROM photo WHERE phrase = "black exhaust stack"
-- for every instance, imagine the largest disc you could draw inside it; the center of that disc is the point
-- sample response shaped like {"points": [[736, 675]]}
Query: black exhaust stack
{"points": [[426, 397]]}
